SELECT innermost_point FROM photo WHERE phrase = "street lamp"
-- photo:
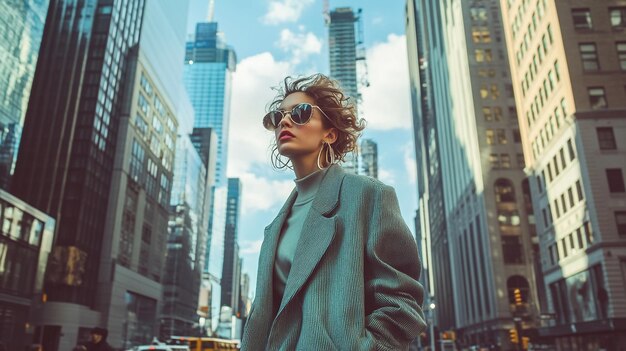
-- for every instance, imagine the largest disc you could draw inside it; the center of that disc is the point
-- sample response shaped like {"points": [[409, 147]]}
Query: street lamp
{"points": [[431, 314]]}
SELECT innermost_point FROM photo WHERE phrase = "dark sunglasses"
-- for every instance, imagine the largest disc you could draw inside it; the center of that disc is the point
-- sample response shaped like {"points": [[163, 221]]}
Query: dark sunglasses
{"points": [[299, 114]]}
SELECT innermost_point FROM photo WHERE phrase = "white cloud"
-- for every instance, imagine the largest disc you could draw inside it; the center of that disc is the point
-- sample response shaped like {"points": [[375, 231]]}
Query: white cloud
{"points": [[262, 193], [387, 101], [386, 176], [249, 143], [299, 45], [410, 164], [250, 247], [281, 11], [252, 91]]}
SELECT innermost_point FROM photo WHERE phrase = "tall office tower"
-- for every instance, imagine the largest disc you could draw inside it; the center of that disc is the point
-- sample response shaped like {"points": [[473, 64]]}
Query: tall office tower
{"points": [[430, 217], [208, 69], [230, 279], [98, 150], [65, 163], [209, 66], [568, 61], [26, 239], [187, 235], [342, 42], [369, 158], [21, 31], [486, 199]]}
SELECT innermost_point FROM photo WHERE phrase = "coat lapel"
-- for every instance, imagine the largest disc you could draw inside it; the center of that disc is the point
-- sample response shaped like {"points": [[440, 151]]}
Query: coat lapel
{"points": [[318, 232]]}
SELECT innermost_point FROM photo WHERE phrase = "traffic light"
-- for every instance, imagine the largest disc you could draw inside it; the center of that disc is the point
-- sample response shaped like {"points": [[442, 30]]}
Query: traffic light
{"points": [[518, 296], [525, 342], [513, 336]]}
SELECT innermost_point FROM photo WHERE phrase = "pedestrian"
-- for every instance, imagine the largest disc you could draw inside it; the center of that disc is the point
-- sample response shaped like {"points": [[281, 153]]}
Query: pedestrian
{"points": [[98, 340], [338, 267]]}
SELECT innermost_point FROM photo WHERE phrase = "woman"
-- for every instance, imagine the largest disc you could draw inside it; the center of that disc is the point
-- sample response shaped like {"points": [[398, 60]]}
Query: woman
{"points": [[338, 268]]}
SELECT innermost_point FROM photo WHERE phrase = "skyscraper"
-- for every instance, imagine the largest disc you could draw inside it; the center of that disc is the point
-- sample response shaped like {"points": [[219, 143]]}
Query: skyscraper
{"points": [[489, 229], [230, 279], [98, 151], [568, 62], [208, 68], [430, 217], [369, 158], [342, 42], [187, 234], [65, 162], [21, 30]]}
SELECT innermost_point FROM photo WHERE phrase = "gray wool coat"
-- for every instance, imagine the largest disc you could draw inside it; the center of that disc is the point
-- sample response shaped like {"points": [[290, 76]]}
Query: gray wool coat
{"points": [[353, 283]]}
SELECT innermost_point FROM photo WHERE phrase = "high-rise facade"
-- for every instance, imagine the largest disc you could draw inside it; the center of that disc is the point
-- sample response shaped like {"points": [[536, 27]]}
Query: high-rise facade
{"points": [[342, 52], [568, 62], [490, 235], [21, 31], [66, 158], [369, 158], [230, 276], [208, 71], [430, 218], [186, 243], [97, 152]]}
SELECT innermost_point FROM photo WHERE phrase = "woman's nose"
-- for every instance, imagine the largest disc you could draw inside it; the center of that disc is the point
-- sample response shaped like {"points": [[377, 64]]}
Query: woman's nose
{"points": [[285, 119]]}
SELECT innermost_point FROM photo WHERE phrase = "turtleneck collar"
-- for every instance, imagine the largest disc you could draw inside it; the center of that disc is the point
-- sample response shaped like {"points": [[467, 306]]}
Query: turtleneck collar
{"points": [[307, 186]]}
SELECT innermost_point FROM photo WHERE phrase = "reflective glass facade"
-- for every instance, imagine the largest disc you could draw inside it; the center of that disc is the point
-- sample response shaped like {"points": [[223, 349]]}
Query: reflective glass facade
{"points": [[21, 29], [65, 161], [209, 65]]}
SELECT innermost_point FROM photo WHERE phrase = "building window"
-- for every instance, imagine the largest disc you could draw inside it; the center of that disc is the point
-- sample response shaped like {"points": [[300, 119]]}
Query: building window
{"points": [[606, 138], [579, 191], [490, 137], [589, 56], [512, 249], [597, 99], [570, 150], [582, 18], [487, 114], [505, 161], [504, 190], [618, 17], [620, 221], [615, 180], [621, 54], [494, 161], [501, 134]]}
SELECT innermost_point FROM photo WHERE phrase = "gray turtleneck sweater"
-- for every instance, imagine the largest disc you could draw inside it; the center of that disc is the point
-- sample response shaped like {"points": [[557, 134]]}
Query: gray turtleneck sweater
{"points": [[290, 232]]}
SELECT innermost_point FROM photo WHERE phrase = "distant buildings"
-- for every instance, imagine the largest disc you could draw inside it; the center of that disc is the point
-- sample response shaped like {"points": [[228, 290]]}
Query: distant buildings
{"points": [[369, 158], [208, 68], [231, 270], [568, 62]]}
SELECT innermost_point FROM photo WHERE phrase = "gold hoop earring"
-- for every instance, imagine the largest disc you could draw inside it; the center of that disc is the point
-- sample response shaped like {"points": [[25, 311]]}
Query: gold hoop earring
{"points": [[330, 155]]}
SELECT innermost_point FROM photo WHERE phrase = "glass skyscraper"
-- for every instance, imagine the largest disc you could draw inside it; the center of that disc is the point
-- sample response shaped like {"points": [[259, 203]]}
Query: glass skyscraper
{"points": [[21, 30], [208, 69], [209, 66]]}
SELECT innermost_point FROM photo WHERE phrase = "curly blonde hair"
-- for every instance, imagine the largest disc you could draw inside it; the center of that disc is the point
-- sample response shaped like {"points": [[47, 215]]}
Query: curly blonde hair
{"points": [[339, 108]]}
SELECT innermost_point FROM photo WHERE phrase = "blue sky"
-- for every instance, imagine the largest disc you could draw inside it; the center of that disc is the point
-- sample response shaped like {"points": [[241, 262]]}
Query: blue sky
{"points": [[275, 38]]}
